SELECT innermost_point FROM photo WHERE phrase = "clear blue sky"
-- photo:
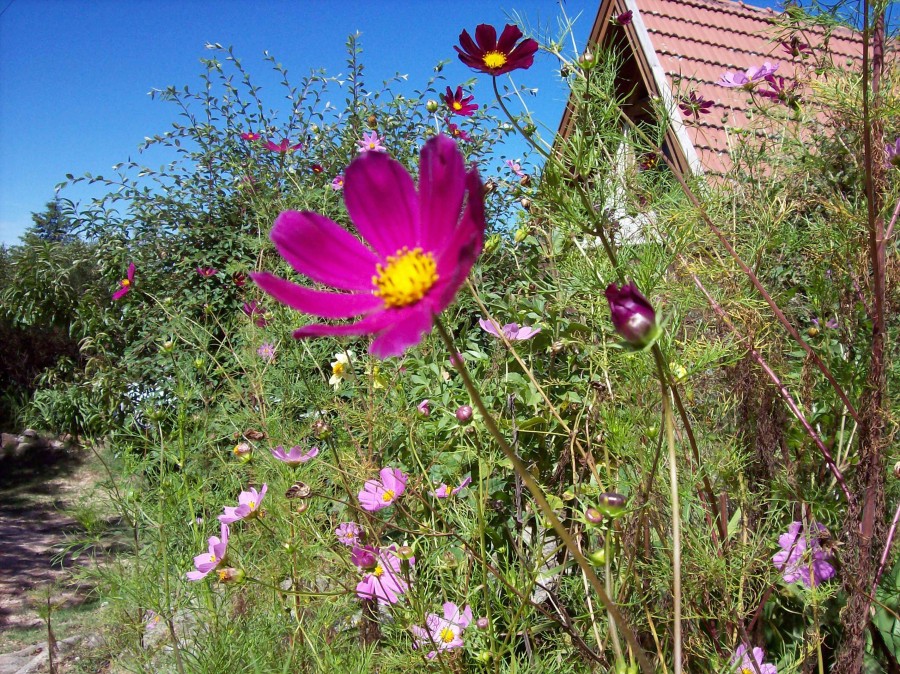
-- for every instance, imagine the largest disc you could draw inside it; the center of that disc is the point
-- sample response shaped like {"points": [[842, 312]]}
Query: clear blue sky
{"points": [[74, 75]]}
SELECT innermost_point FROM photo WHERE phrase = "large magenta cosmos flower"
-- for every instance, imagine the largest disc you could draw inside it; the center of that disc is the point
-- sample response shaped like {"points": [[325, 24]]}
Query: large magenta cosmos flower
{"points": [[489, 55], [125, 284], [460, 104], [422, 245]]}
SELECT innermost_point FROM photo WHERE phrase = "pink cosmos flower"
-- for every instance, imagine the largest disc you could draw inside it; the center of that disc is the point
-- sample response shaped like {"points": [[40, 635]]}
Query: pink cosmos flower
{"points": [[338, 183], [749, 77], [747, 661], [377, 495], [443, 634], [423, 244], [253, 308], [802, 558], [456, 132], [444, 491], [125, 284], [206, 272], [370, 143], [283, 147], [249, 136], [515, 167], [459, 104], [207, 561], [511, 331], [248, 506], [364, 556], [295, 456], [385, 581], [348, 533], [489, 55], [892, 157], [266, 351]]}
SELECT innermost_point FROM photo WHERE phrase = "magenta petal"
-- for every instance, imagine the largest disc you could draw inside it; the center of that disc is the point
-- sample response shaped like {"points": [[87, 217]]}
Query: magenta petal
{"points": [[508, 38], [121, 292], [316, 302], [441, 190], [381, 201], [457, 258], [372, 323], [320, 249], [403, 333]]}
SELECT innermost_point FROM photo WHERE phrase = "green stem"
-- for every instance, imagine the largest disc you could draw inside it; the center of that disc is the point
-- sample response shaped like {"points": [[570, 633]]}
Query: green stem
{"points": [[537, 493], [676, 508]]}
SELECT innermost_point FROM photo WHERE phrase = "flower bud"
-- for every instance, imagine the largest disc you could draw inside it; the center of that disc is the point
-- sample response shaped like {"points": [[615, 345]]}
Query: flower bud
{"points": [[485, 657], [587, 60], [424, 408], [199, 362], [168, 346], [632, 315], [897, 470], [464, 414], [593, 516], [482, 623], [529, 129], [525, 180], [405, 552], [230, 575], [431, 105], [612, 504], [521, 234], [526, 203], [492, 244], [302, 507], [371, 121], [597, 557]]}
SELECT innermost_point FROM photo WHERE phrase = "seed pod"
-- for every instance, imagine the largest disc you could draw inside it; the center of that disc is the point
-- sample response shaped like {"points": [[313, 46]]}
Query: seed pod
{"points": [[371, 121]]}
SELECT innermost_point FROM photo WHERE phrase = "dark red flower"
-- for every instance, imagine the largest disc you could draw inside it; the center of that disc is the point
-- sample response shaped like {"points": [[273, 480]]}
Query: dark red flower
{"points": [[239, 278], [780, 91], [794, 47], [456, 132], [489, 55], [624, 18], [459, 104], [695, 105], [317, 168]]}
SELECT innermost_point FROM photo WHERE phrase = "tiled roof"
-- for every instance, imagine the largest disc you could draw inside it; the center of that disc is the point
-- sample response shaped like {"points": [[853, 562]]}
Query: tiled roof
{"points": [[696, 41]]}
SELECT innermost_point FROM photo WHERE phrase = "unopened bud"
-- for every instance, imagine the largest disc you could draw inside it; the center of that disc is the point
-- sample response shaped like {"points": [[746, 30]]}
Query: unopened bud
{"points": [[431, 105], [593, 516], [597, 557], [405, 552], [168, 346], [612, 504], [587, 60], [302, 507], [633, 316], [493, 243], [199, 362], [482, 623], [521, 234], [464, 414], [371, 121]]}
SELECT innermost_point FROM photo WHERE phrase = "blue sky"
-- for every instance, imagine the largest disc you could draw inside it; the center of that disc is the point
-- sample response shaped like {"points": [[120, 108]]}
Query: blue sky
{"points": [[74, 75]]}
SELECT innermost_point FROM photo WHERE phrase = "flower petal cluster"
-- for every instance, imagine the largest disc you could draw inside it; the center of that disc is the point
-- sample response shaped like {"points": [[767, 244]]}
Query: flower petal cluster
{"points": [[283, 147], [295, 456], [443, 633], [515, 167], [511, 331], [632, 314], [256, 312], [249, 136], [342, 368], [624, 18], [348, 533], [266, 351], [893, 154], [443, 491], [377, 495], [802, 557], [208, 561], [456, 132], [749, 77], [695, 105], [459, 103], [489, 55], [371, 143], [795, 47], [338, 183], [384, 582], [248, 506], [126, 283], [750, 661], [423, 243]]}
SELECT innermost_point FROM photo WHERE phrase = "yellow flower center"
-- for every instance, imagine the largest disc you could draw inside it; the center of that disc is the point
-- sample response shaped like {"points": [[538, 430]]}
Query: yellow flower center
{"points": [[408, 276], [494, 59], [378, 571], [212, 558], [388, 495], [252, 505], [222, 575], [446, 635], [125, 282], [457, 105], [338, 369]]}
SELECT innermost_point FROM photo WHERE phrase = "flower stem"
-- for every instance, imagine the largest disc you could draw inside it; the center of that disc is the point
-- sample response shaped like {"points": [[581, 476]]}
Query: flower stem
{"points": [[538, 494]]}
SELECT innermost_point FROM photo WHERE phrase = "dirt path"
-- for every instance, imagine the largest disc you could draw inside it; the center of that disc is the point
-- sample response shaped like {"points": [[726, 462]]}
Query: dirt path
{"points": [[37, 489]]}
